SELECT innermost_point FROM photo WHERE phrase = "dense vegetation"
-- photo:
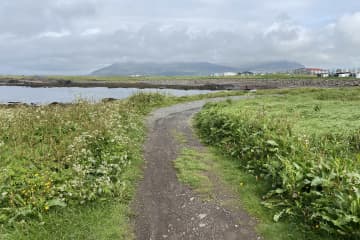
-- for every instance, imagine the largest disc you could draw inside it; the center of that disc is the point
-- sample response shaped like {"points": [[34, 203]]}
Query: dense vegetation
{"points": [[54, 157], [305, 145], [64, 167]]}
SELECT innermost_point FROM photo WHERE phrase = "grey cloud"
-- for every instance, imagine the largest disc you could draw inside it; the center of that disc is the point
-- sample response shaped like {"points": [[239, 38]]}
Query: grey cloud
{"points": [[26, 17], [78, 36]]}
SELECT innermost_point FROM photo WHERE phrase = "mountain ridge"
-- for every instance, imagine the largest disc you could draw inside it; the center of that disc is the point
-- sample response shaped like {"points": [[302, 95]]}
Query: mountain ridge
{"points": [[190, 68]]}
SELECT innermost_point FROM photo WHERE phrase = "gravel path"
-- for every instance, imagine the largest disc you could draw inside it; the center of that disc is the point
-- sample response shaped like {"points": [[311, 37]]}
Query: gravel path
{"points": [[167, 209]]}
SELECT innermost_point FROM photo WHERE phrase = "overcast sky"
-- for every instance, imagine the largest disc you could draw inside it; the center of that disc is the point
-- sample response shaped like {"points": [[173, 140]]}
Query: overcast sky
{"points": [[78, 36]]}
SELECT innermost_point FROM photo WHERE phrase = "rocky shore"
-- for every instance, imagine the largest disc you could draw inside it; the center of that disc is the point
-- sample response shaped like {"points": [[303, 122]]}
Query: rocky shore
{"points": [[201, 84]]}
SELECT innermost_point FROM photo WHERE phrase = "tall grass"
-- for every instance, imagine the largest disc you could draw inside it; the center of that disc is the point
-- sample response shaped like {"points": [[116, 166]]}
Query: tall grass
{"points": [[54, 157], [313, 171]]}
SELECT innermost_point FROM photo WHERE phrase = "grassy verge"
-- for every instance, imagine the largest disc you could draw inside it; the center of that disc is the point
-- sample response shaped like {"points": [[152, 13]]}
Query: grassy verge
{"points": [[193, 168], [93, 221], [305, 144], [69, 172]]}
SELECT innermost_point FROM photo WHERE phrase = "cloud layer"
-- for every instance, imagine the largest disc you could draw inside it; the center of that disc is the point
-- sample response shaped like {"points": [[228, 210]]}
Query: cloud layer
{"points": [[77, 36]]}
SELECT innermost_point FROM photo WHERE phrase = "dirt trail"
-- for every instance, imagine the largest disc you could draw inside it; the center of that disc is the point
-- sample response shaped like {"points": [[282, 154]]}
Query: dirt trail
{"points": [[167, 209]]}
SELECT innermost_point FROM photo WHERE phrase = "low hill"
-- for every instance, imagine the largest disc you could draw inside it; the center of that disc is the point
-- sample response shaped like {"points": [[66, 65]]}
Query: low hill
{"points": [[274, 66], [163, 69], [190, 68]]}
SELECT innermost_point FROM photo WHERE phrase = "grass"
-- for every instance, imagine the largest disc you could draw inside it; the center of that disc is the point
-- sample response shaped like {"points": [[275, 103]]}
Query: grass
{"points": [[193, 167], [209, 95], [179, 137], [305, 143], [249, 190], [94, 221], [191, 171], [316, 111], [69, 172]]}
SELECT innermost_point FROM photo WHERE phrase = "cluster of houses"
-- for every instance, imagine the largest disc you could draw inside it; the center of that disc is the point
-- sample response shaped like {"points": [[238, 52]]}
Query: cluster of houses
{"points": [[341, 73]]}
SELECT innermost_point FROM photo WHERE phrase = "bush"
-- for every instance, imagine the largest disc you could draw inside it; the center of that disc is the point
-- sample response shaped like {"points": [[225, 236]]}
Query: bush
{"points": [[313, 178], [54, 156]]}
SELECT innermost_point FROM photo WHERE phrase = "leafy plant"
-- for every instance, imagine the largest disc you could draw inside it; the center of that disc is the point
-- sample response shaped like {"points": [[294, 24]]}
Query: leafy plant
{"points": [[314, 177], [57, 156]]}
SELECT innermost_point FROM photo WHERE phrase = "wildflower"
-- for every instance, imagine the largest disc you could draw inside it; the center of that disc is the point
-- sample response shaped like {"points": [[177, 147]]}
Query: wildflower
{"points": [[46, 207]]}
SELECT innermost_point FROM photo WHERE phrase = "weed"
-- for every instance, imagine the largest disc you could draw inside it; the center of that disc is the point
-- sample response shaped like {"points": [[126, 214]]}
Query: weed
{"points": [[313, 170], [62, 161]]}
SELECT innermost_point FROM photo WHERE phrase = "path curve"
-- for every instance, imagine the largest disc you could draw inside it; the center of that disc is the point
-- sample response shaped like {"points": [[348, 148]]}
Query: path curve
{"points": [[167, 209]]}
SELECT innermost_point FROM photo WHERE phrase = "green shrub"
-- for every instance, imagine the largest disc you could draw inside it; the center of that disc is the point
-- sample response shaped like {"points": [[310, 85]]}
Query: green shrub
{"points": [[55, 156], [313, 177]]}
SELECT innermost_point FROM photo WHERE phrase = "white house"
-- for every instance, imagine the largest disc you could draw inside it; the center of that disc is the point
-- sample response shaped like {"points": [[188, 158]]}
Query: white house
{"points": [[357, 75], [323, 75], [344, 75], [230, 74], [217, 75]]}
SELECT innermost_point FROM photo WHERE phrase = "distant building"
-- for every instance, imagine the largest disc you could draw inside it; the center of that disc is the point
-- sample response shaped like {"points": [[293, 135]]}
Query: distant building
{"points": [[246, 73], [310, 71], [344, 74], [357, 75], [230, 74], [323, 75], [217, 75]]}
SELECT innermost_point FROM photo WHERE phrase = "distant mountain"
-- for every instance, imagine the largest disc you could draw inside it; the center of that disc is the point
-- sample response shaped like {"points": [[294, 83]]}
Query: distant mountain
{"points": [[190, 68], [163, 69], [274, 66]]}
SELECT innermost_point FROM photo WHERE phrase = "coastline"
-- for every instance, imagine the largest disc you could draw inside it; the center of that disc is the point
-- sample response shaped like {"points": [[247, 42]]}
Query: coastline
{"points": [[200, 84]]}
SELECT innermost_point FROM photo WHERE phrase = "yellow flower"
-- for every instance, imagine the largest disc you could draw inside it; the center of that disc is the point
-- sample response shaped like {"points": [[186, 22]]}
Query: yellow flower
{"points": [[46, 208]]}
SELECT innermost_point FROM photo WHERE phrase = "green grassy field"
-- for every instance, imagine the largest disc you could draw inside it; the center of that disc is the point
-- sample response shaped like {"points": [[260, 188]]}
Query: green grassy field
{"points": [[312, 111], [305, 143]]}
